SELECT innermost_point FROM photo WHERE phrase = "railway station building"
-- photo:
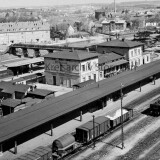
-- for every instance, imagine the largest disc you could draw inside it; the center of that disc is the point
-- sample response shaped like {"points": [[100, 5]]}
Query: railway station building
{"points": [[67, 68], [131, 50]]}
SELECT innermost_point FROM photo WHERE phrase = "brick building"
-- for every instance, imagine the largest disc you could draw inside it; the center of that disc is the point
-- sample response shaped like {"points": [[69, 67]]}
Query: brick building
{"points": [[67, 68]]}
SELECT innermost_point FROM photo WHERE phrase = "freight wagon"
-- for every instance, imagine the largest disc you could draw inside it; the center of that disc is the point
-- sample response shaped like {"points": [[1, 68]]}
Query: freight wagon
{"points": [[85, 133], [63, 146], [40, 153], [155, 108], [116, 118]]}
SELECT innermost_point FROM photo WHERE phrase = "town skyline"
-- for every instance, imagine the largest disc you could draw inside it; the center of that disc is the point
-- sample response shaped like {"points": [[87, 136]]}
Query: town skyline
{"points": [[29, 3]]}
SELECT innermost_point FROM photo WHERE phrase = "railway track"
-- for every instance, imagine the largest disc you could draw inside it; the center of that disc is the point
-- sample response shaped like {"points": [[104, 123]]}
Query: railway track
{"points": [[132, 105]]}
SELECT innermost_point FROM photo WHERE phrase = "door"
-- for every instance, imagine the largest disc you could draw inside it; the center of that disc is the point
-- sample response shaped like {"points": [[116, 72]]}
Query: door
{"points": [[54, 80], [95, 77]]}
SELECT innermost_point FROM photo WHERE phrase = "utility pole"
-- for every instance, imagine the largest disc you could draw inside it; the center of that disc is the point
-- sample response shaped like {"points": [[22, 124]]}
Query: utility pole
{"points": [[93, 132], [122, 135]]}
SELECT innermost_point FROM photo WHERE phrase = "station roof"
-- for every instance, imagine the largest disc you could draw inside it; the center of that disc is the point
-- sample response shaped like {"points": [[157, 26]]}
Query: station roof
{"points": [[24, 62], [73, 55], [29, 118]]}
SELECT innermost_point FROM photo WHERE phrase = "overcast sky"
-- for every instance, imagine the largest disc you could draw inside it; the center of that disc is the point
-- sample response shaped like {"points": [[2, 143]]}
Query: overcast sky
{"points": [[26, 3]]}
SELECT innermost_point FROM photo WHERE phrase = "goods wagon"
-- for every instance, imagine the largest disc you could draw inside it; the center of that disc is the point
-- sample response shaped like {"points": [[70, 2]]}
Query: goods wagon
{"points": [[63, 145], [40, 153], [155, 108], [85, 133], [116, 118]]}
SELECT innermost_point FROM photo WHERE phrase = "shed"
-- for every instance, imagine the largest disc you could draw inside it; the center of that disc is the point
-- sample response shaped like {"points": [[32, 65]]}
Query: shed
{"points": [[9, 105], [40, 93], [64, 141]]}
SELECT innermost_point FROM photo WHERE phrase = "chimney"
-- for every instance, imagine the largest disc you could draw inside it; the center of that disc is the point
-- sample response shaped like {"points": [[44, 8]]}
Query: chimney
{"points": [[87, 49], [114, 6], [123, 39], [104, 52], [72, 49]]}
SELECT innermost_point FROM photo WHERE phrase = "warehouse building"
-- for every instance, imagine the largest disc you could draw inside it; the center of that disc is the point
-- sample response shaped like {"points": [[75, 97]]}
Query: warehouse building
{"points": [[24, 32]]}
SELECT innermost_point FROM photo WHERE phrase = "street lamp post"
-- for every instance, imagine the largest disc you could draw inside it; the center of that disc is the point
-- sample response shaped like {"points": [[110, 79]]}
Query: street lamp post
{"points": [[93, 132], [122, 135]]}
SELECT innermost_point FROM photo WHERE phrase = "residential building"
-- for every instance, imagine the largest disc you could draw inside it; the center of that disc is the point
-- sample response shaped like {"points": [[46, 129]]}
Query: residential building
{"points": [[131, 50], [67, 68], [111, 64], [25, 32], [114, 25]]}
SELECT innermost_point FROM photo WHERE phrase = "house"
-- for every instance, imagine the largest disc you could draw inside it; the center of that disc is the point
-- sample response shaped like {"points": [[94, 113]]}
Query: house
{"points": [[131, 50], [115, 25], [8, 106], [67, 68], [12, 90], [111, 64]]}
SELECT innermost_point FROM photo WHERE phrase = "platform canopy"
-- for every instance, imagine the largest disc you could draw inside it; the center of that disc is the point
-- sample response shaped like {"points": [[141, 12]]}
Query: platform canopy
{"points": [[25, 62]]}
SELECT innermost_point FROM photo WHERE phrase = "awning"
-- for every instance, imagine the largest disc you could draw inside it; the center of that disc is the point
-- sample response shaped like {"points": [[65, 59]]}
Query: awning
{"points": [[25, 62], [116, 63]]}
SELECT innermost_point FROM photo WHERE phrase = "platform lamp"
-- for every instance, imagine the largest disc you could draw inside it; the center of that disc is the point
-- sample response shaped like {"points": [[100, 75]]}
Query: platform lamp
{"points": [[94, 145], [122, 135]]}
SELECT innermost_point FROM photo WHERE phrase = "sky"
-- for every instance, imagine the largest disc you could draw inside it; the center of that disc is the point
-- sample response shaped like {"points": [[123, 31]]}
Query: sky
{"points": [[27, 3]]}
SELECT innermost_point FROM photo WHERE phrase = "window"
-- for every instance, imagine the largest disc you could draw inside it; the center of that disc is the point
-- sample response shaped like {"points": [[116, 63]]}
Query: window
{"points": [[83, 67], [89, 65], [84, 79], [89, 77], [135, 51], [132, 54], [139, 51]]}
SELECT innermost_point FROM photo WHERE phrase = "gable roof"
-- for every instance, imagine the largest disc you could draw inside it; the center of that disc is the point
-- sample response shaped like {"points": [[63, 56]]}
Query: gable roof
{"points": [[108, 57], [11, 102], [73, 55], [121, 43]]}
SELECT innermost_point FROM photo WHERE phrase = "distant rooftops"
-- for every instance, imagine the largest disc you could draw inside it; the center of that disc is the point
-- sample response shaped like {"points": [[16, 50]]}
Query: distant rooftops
{"points": [[73, 55], [114, 20], [121, 43]]}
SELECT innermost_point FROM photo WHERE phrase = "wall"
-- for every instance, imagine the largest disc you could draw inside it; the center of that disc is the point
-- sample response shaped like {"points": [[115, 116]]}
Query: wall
{"points": [[135, 57], [66, 73], [91, 68], [24, 37]]}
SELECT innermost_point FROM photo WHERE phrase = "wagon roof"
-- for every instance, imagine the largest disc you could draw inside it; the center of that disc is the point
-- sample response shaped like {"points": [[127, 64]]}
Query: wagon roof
{"points": [[64, 141]]}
